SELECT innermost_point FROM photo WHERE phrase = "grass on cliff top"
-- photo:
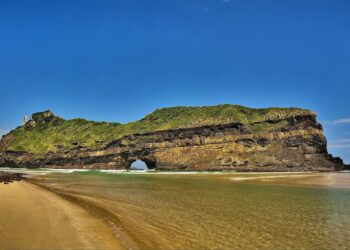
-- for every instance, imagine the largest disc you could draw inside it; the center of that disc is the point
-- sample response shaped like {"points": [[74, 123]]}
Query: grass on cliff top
{"points": [[61, 134]]}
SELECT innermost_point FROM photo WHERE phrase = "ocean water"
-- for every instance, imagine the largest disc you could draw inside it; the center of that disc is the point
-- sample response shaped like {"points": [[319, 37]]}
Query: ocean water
{"points": [[181, 210]]}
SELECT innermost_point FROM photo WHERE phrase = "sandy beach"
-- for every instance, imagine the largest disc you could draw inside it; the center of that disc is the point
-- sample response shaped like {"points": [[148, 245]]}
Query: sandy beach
{"points": [[33, 218]]}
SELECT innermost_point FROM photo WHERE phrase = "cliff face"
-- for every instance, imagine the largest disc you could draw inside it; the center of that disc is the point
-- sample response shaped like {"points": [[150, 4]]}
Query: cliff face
{"points": [[262, 140]]}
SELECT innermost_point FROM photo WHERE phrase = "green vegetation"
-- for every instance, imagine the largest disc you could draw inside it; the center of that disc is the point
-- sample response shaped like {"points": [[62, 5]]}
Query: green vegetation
{"points": [[48, 133]]}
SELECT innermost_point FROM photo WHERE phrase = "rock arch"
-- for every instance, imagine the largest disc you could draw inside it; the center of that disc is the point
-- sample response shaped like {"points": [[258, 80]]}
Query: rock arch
{"points": [[141, 155], [138, 165], [150, 163]]}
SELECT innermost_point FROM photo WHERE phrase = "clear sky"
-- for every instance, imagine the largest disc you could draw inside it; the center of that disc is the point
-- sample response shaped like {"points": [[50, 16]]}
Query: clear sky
{"points": [[120, 59]]}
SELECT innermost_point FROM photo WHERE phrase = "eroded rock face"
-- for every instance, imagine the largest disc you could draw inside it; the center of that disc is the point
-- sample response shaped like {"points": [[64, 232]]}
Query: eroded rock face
{"points": [[297, 145]]}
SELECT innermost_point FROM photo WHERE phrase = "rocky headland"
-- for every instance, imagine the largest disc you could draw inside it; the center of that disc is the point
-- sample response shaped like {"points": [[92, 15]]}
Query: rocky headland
{"points": [[223, 137]]}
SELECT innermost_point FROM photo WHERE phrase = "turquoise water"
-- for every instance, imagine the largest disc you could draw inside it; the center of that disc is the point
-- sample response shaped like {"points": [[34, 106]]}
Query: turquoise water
{"points": [[219, 211]]}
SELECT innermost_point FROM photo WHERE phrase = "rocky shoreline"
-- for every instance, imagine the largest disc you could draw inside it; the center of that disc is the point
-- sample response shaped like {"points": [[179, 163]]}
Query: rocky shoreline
{"points": [[6, 177]]}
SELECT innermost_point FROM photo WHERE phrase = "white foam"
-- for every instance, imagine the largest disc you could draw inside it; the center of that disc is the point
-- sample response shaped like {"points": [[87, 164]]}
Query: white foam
{"points": [[112, 171], [42, 171], [287, 175]]}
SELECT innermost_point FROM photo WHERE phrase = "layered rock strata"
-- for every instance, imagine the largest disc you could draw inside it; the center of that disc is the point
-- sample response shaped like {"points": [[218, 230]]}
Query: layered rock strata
{"points": [[292, 143]]}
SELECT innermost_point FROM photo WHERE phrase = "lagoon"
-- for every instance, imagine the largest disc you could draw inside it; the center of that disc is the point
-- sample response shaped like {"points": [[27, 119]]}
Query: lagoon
{"points": [[189, 210]]}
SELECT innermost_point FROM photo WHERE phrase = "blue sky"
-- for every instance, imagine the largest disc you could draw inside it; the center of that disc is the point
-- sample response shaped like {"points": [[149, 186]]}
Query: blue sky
{"points": [[118, 60]]}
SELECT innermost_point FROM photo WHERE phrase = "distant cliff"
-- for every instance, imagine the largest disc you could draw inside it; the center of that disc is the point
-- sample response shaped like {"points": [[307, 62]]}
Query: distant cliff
{"points": [[223, 137]]}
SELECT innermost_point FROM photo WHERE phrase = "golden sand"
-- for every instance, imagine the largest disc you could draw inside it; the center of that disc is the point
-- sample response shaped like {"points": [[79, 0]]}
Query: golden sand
{"points": [[33, 218]]}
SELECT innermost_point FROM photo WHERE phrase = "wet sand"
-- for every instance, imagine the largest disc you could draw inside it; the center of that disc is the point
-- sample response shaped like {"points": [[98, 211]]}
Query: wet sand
{"points": [[33, 218], [331, 180]]}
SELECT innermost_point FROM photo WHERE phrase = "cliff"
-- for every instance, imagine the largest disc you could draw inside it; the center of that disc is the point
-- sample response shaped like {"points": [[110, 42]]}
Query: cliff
{"points": [[192, 138]]}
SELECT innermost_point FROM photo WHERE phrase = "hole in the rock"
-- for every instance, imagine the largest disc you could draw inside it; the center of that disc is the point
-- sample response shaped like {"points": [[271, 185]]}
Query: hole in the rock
{"points": [[138, 165], [142, 165]]}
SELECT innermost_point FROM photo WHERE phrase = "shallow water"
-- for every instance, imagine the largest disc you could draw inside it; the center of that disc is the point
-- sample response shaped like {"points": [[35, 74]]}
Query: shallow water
{"points": [[220, 211]]}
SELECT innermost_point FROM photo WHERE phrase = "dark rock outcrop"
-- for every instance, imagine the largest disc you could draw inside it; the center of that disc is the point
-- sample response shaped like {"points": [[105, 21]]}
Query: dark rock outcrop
{"points": [[7, 177], [42, 118]]}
